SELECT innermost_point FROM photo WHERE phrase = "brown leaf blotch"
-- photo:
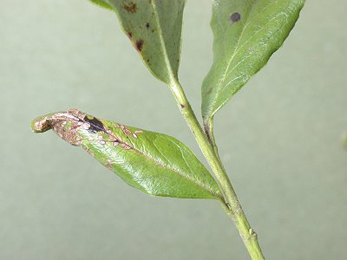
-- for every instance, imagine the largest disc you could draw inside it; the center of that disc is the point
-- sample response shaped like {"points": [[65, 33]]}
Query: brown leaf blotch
{"points": [[130, 8]]}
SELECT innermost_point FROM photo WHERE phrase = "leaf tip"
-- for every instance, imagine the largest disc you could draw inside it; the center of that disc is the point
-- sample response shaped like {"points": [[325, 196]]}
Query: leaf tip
{"points": [[41, 124]]}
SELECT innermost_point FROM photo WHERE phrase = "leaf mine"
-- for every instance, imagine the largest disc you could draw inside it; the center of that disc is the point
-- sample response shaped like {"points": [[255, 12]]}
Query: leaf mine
{"points": [[154, 163]]}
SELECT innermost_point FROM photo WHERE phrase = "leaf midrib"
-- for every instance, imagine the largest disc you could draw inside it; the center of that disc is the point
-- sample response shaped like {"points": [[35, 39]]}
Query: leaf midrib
{"points": [[231, 59], [168, 167], [236, 50], [163, 165], [171, 75]]}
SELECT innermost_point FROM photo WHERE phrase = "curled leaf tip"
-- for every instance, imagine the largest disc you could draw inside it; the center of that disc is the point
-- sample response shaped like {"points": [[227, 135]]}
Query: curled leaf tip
{"points": [[41, 124], [65, 124]]}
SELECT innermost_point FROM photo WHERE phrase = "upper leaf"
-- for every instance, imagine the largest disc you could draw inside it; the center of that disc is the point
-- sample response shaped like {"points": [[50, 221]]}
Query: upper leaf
{"points": [[246, 33], [154, 28], [155, 163]]}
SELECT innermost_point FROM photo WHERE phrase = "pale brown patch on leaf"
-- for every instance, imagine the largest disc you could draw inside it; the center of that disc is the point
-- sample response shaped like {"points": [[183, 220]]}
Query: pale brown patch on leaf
{"points": [[71, 125], [125, 130], [125, 146], [109, 164]]}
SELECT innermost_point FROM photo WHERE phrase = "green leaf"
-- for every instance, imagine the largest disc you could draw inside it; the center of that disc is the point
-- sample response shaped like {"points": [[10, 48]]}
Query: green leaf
{"points": [[154, 28], [102, 3], [154, 163], [246, 34]]}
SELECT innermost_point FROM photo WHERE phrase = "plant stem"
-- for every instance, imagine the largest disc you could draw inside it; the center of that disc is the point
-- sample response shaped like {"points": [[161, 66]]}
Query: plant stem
{"points": [[231, 205]]}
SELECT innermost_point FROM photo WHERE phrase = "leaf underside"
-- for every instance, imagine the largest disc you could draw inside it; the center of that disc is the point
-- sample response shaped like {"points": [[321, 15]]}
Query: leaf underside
{"points": [[246, 33], [154, 163], [154, 28]]}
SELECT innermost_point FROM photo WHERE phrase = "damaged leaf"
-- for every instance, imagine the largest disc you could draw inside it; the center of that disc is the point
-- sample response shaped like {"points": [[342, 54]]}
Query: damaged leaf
{"points": [[154, 28], [246, 33], [154, 163]]}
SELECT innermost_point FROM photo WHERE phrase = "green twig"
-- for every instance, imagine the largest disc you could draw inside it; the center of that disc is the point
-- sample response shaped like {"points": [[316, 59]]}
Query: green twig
{"points": [[231, 205]]}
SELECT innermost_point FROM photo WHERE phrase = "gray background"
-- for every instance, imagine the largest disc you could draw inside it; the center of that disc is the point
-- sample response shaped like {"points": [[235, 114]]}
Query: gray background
{"points": [[280, 139]]}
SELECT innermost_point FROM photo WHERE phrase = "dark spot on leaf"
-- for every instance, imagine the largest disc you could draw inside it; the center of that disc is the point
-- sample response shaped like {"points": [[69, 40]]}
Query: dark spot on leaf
{"points": [[130, 35], [235, 17], [130, 8], [95, 124], [182, 106], [209, 91], [147, 25], [139, 45]]}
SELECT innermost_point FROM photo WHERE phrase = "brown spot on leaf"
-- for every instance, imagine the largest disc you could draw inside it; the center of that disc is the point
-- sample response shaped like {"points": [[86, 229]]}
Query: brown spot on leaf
{"points": [[130, 8], [209, 91], [130, 35], [235, 17], [147, 25], [139, 45], [182, 106]]}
